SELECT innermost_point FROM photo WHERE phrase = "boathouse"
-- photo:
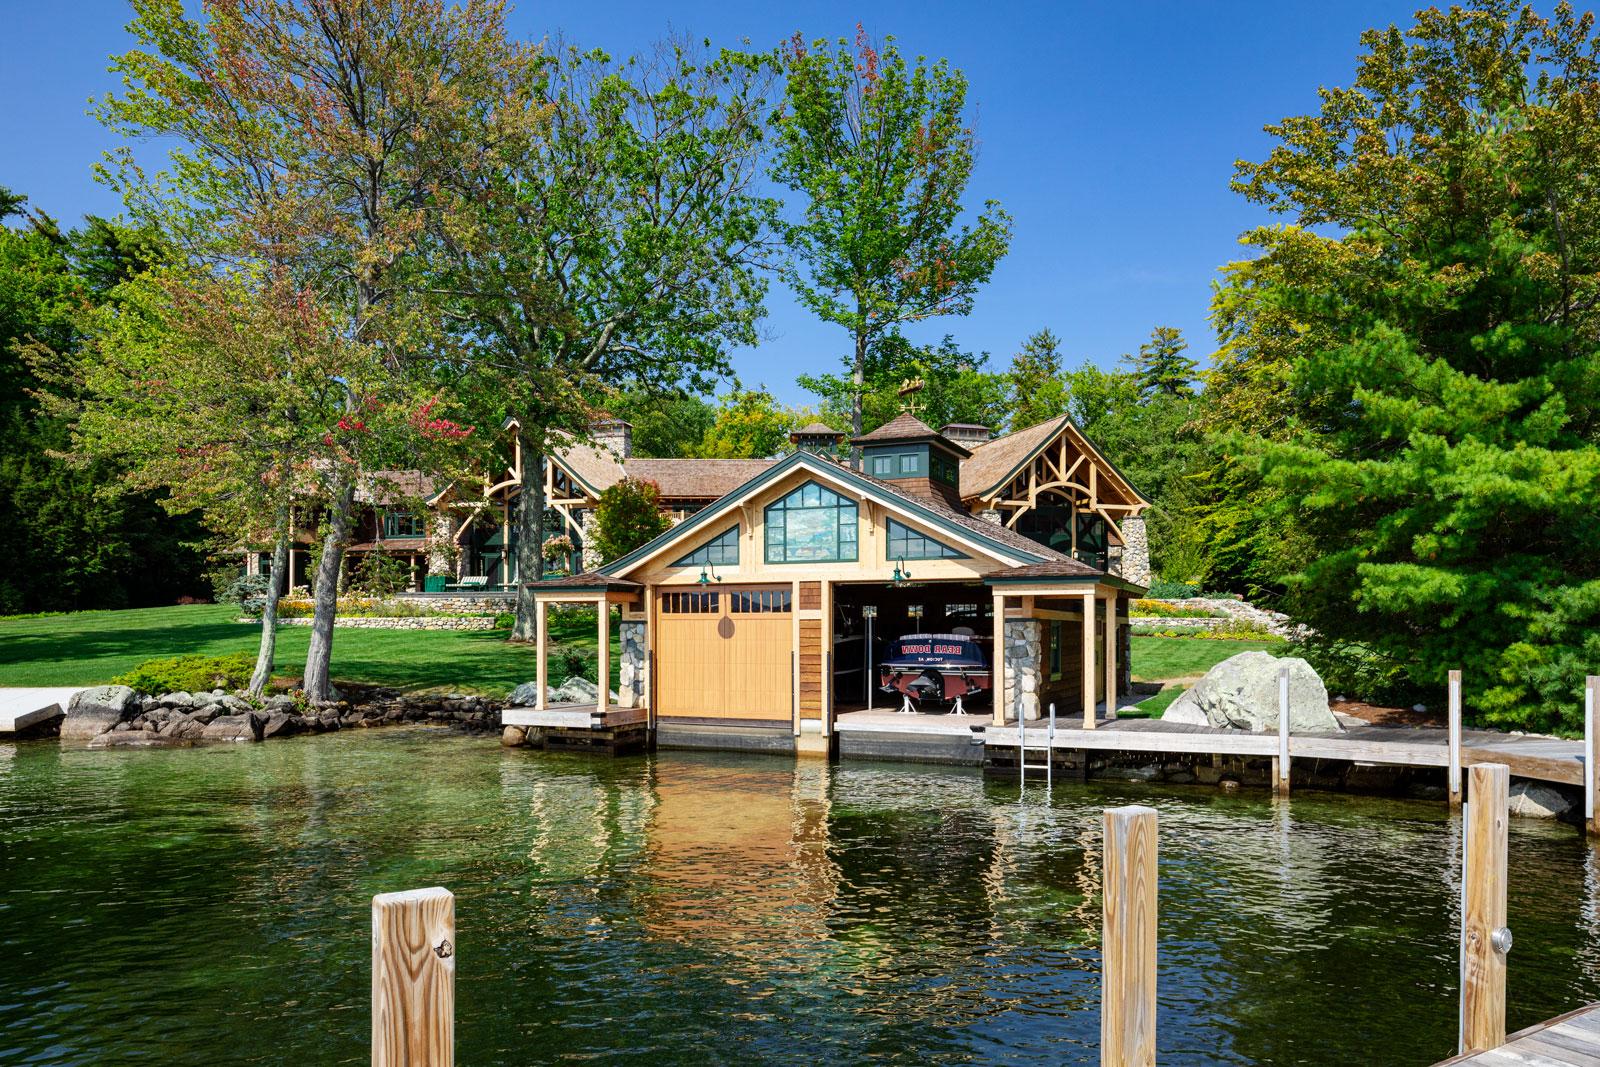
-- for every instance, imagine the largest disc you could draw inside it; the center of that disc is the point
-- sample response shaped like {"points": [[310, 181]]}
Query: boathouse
{"points": [[759, 620]]}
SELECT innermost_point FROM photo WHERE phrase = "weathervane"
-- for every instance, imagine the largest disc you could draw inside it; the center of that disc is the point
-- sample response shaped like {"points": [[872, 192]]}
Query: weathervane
{"points": [[908, 391]]}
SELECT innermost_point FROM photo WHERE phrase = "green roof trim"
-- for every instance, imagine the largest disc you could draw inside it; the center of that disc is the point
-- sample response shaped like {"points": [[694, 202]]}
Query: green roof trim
{"points": [[850, 477]]}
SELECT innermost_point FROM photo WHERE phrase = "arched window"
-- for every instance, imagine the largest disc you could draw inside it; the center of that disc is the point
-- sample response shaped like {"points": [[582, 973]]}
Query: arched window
{"points": [[811, 525]]}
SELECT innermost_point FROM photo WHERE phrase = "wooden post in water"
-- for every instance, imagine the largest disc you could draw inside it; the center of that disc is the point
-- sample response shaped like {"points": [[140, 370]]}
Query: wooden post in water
{"points": [[1128, 939], [1591, 753], [1455, 739], [414, 978], [1485, 940], [1280, 766]]}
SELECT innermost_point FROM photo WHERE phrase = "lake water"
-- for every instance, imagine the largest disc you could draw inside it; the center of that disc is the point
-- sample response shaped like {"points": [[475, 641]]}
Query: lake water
{"points": [[206, 906]]}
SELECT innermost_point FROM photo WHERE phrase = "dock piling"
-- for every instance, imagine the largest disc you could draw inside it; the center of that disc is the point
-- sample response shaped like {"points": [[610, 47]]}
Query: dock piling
{"points": [[1455, 739], [1591, 753], [1280, 765], [1128, 939], [1485, 940], [414, 978]]}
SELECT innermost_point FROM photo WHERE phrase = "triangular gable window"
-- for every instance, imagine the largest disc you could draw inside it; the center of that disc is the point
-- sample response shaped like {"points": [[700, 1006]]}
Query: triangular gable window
{"points": [[906, 543], [722, 550], [811, 525]]}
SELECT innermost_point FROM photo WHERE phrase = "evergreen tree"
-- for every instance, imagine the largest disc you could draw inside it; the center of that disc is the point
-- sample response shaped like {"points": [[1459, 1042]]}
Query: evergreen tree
{"points": [[956, 386], [1037, 391], [1161, 368], [1441, 467]]}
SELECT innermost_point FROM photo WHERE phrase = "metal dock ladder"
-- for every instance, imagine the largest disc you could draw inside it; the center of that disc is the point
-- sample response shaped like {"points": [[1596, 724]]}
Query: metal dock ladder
{"points": [[1023, 766]]}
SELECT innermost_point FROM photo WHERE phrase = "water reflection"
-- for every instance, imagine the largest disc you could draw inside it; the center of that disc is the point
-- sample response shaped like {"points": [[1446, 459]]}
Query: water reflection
{"points": [[692, 908]]}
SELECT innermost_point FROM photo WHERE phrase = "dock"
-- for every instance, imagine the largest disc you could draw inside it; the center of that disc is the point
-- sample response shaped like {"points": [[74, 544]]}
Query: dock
{"points": [[1570, 1040], [1546, 759], [23, 709]]}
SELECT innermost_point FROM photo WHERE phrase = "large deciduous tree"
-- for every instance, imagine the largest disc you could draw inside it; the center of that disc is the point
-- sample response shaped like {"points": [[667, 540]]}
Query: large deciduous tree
{"points": [[313, 138], [1441, 462], [880, 153], [617, 247], [947, 383]]}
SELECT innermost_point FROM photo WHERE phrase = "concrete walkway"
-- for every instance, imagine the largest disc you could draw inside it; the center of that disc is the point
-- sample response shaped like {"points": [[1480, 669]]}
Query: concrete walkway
{"points": [[22, 708]]}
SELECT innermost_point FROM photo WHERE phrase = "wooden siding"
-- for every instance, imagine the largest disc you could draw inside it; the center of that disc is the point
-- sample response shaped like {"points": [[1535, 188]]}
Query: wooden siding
{"points": [[810, 665], [810, 596], [723, 664]]}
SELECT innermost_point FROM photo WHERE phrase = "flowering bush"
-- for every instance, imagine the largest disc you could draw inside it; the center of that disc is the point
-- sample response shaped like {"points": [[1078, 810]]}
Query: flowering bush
{"points": [[557, 548]]}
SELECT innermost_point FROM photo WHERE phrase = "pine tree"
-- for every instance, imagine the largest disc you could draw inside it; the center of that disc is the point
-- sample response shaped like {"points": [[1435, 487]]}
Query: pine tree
{"points": [[1037, 392], [1441, 467], [1161, 368]]}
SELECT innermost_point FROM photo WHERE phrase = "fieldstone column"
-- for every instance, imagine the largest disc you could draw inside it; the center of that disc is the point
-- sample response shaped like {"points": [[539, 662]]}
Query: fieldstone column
{"points": [[630, 680], [1024, 653], [1135, 550], [591, 555]]}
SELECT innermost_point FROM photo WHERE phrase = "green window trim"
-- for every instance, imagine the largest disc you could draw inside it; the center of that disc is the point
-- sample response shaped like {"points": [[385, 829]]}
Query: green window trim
{"points": [[720, 551], [402, 524], [900, 462], [811, 524], [905, 543]]}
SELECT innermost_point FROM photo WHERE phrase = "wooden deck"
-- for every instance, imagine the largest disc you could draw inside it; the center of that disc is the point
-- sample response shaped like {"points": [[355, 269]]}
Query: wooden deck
{"points": [[1568, 1040], [1544, 758]]}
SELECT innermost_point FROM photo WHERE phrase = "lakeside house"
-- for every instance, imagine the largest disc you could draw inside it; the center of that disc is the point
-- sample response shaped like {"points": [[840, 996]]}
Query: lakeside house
{"points": [[754, 611]]}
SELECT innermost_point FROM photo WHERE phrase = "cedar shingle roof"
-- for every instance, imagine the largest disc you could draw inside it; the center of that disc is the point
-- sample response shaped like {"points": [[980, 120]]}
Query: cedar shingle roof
{"points": [[696, 479], [1058, 568], [983, 527], [992, 461], [817, 429], [396, 487]]}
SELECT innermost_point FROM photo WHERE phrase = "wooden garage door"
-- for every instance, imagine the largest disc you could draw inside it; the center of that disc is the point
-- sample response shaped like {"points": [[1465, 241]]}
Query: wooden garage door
{"points": [[724, 654]]}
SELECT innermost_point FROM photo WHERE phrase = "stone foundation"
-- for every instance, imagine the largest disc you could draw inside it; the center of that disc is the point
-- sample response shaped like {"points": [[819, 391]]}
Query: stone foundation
{"points": [[630, 679]]}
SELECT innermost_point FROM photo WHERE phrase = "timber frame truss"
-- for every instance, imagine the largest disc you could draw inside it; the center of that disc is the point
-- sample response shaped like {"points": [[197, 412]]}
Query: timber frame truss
{"points": [[1066, 472]]}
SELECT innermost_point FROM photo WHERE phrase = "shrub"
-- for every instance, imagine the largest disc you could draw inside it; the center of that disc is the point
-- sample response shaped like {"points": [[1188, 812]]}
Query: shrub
{"points": [[627, 515], [189, 674], [505, 620], [1160, 589], [1360, 673], [383, 575], [249, 591]]}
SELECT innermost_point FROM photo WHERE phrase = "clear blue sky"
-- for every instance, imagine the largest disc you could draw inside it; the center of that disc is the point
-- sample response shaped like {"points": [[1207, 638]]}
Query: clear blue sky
{"points": [[1108, 130]]}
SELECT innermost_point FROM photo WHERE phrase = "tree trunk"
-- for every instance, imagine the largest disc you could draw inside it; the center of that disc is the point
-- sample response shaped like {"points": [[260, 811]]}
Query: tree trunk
{"points": [[325, 598], [269, 611], [858, 385], [530, 541]]}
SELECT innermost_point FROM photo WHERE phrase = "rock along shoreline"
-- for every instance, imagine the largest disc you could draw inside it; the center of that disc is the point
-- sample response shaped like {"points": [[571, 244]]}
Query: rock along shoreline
{"points": [[116, 716]]}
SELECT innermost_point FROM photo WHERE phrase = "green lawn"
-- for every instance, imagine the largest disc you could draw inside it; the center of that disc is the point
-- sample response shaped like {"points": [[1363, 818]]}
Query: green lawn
{"points": [[92, 647], [1159, 658]]}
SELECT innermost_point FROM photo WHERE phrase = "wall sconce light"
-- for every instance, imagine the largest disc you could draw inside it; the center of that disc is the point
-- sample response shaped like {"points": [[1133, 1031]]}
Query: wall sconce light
{"points": [[707, 579], [901, 574]]}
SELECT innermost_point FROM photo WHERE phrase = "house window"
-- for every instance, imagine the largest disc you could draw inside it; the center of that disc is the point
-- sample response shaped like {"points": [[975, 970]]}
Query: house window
{"points": [[883, 466], [689, 603], [943, 468], [901, 463], [719, 551], [1055, 651], [400, 524], [811, 525], [759, 602], [906, 543]]}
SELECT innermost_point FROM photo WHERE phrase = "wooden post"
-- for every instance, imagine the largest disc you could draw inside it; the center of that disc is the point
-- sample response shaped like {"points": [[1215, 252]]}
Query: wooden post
{"points": [[1002, 690], [1484, 937], [1110, 645], [1128, 939], [1086, 673], [1280, 777], [1591, 753], [1455, 739], [414, 978], [602, 610], [541, 639]]}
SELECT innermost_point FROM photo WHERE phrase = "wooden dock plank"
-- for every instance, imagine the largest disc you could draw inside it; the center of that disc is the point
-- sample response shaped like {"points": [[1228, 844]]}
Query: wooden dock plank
{"points": [[1570, 1040]]}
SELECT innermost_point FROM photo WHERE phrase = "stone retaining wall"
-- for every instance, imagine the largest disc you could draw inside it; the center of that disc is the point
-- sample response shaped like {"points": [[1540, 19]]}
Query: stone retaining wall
{"points": [[1165, 623], [411, 622], [455, 604]]}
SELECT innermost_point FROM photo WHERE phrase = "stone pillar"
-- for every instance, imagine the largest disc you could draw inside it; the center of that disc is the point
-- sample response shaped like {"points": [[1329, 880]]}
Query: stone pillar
{"points": [[991, 515], [1135, 550], [630, 681], [591, 556], [442, 549], [1023, 657]]}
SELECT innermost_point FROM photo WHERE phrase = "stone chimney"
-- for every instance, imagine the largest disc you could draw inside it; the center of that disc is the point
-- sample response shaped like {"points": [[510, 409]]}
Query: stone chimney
{"points": [[1135, 550], [968, 435], [615, 435]]}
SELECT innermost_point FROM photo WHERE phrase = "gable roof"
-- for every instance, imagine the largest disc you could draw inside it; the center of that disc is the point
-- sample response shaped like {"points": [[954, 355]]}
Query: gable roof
{"points": [[1007, 544], [996, 462]]}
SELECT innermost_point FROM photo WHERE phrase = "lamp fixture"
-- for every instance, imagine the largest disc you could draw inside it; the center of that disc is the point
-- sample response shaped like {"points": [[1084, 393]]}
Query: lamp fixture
{"points": [[707, 579], [901, 574]]}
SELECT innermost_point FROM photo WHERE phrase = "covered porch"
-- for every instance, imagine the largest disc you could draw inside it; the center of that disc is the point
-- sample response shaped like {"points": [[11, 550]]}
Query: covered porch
{"points": [[602, 592]]}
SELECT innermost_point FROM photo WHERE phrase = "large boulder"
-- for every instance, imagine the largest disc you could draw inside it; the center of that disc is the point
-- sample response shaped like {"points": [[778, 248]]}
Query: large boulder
{"points": [[245, 727], [576, 690], [95, 711], [1536, 800], [525, 695], [1241, 693]]}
